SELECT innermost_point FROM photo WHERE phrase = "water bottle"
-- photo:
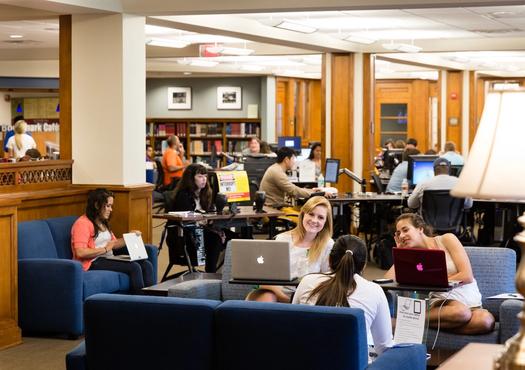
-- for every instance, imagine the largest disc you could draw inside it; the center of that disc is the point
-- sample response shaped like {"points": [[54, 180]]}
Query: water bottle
{"points": [[320, 181], [404, 188]]}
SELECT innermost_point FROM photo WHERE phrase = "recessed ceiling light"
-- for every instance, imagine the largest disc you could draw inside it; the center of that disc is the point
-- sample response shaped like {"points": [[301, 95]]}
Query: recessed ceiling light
{"points": [[166, 43], [229, 50], [187, 73], [360, 39], [16, 36], [294, 26]]}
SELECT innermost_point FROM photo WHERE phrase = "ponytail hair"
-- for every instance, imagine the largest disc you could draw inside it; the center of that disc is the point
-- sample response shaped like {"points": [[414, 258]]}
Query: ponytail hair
{"points": [[348, 257]]}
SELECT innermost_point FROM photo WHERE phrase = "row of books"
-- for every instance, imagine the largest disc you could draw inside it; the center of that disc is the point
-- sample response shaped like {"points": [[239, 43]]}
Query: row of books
{"points": [[205, 146], [166, 129], [243, 129], [208, 129]]}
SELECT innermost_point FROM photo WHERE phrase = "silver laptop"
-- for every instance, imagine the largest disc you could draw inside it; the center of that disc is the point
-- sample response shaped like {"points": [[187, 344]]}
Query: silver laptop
{"points": [[261, 260], [136, 249]]}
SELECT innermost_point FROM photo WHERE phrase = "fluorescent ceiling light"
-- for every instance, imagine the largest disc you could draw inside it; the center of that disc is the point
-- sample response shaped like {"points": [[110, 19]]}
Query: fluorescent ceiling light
{"points": [[16, 36], [360, 39], [252, 67], [229, 50], [167, 43], [294, 26], [203, 63], [405, 48], [150, 29]]}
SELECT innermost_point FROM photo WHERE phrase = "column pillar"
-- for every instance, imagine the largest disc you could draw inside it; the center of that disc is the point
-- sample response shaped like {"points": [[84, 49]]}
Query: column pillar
{"points": [[108, 100]]}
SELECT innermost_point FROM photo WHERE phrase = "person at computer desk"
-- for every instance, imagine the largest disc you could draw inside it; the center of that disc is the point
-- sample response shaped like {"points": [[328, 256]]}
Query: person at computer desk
{"points": [[275, 182], [400, 172], [92, 241], [315, 157], [451, 154], [458, 310], [441, 181], [173, 162], [254, 147], [193, 193], [310, 244], [344, 286]]}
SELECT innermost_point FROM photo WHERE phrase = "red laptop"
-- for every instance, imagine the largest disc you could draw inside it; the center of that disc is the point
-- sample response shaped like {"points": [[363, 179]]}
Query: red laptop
{"points": [[421, 267]]}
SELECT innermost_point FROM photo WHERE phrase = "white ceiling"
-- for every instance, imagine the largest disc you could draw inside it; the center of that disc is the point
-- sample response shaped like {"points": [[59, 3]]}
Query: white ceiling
{"points": [[487, 39]]}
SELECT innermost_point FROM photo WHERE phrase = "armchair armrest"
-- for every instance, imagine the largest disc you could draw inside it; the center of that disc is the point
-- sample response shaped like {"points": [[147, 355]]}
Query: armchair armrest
{"points": [[408, 357], [508, 320], [76, 358], [201, 289], [50, 295]]}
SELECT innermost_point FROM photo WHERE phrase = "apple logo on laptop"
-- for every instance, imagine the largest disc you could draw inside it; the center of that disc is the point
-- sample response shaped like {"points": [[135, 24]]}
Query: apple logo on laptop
{"points": [[260, 260], [419, 267]]}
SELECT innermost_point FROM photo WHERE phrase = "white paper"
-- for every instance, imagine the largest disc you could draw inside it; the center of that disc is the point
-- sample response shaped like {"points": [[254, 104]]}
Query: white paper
{"points": [[253, 110], [181, 213], [306, 171], [410, 321], [507, 296]]}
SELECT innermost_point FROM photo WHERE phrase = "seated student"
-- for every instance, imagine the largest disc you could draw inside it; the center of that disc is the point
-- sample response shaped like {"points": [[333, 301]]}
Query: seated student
{"points": [[310, 243], [345, 287], [454, 158], [92, 241], [275, 182], [315, 157], [441, 181], [193, 193], [400, 172], [458, 310], [31, 155]]}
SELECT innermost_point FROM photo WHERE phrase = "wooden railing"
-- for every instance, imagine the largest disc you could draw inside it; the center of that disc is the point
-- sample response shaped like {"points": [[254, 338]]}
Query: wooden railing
{"points": [[34, 175]]}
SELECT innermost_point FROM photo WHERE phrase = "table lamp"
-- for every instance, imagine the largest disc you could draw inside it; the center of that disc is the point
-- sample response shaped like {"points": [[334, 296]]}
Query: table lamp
{"points": [[495, 169]]}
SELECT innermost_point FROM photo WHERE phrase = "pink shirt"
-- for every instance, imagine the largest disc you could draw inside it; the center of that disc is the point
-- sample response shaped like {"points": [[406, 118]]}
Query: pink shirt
{"points": [[83, 236]]}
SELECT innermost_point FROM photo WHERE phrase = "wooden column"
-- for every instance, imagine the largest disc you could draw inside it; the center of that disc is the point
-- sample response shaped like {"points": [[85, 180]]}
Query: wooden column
{"points": [[454, 98], [10, 333], [65, 92], [369, 149], [342, 115]]}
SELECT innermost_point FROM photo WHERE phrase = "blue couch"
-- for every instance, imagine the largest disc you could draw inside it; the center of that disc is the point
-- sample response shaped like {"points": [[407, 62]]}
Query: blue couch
{"points": [[142, 332], [51, 286]]}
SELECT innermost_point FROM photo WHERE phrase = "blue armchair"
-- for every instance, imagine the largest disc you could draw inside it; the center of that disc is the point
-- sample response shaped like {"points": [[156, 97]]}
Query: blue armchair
{"points": [[51, 286], [495, 271]]}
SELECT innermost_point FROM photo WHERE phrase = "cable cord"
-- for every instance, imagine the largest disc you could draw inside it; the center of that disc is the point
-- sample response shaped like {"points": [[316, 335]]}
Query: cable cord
{"points": [[439, 319]]}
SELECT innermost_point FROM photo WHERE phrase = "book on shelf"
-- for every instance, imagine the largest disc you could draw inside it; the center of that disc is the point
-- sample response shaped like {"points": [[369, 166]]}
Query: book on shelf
{"points": [[204, 146]]}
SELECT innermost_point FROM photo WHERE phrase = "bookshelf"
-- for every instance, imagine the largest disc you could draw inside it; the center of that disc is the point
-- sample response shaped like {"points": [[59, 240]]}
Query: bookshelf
{"points": [[198, 135]]}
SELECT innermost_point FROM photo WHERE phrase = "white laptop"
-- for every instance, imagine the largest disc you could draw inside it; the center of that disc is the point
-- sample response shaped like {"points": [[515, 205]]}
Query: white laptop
{"points": [[136, 249], [261, 260]]}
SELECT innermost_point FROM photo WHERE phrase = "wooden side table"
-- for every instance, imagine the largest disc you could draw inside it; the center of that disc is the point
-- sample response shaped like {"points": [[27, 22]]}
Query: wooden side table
{"points": [[474, 356]]}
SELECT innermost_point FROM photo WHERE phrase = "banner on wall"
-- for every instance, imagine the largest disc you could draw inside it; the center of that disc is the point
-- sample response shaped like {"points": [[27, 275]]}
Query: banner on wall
{"points": [[36, 126]]}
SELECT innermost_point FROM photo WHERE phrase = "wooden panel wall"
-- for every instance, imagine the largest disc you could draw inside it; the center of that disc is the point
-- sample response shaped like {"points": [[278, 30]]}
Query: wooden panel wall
{"points": [[10, 333], [391, 91], [419, 128], [342, 123], [65, 94], [368, 117], [473, 106], [454, 104]]}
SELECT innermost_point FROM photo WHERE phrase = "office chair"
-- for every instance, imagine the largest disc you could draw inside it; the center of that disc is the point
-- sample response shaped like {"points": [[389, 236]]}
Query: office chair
{"points": [[378, 183], [442, 211]]}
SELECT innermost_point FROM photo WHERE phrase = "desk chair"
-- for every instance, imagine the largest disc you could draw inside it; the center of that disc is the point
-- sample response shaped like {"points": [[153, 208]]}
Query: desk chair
{"points": [[442, 211], [378, 183]]}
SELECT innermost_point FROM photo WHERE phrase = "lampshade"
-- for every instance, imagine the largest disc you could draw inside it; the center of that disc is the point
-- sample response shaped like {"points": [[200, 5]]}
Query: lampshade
{"points": [[495, 168]]}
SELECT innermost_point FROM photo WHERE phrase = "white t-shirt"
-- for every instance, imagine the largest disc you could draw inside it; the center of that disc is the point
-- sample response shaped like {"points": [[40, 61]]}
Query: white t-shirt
{"points": [[101, 240], [27, 143], [367, 296]]}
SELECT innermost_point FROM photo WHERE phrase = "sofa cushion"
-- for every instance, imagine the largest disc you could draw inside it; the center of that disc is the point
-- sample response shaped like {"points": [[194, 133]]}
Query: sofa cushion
{"points": [[61, 231], [455, 342], [102, 281], [35, 240]]}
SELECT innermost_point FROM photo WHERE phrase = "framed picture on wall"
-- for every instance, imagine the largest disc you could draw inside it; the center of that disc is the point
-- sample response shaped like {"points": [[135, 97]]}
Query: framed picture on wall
{"points": [[179, 97], [229, 97]]}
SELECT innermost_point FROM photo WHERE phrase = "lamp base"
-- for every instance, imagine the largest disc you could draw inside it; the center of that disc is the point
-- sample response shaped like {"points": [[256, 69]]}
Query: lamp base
{"points": [[513, 356]]}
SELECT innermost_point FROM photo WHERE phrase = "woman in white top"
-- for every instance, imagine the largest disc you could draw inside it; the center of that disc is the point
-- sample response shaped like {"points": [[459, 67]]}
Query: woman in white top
{"points": [[345, 287], [315, 157], [458, 310], [20, 142], [310, 243]]}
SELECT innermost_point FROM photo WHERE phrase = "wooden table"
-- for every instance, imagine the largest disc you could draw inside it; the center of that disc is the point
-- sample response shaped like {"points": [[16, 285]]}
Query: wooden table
{"points": [[474, 356], [161, 289]]}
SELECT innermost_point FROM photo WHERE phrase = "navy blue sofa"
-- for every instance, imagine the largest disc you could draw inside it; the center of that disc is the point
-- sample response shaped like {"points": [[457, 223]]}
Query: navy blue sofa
{"points": [[143, 332], [51, 286]]}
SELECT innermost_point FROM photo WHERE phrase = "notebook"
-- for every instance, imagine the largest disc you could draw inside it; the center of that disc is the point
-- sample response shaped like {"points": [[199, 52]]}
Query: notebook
{"points": [[261, 260], [136, 249], [422, 267]]}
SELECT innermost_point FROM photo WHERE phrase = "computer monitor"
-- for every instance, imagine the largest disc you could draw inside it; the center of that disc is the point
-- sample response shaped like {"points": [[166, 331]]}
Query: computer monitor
{"points": [[331, 170], [420, 168], [391, 158], [255, 167], [455, 169], [234, 184], [293, 142], [305, 153]]}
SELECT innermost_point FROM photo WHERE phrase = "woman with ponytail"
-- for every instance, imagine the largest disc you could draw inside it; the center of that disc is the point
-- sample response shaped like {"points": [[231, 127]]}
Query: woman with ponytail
{"points": [[345, 287], [20, 142]]}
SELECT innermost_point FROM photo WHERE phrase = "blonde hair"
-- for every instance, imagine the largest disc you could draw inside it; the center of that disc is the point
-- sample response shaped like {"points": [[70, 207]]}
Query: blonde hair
{"points": [[20, 129], [322, 237]]}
